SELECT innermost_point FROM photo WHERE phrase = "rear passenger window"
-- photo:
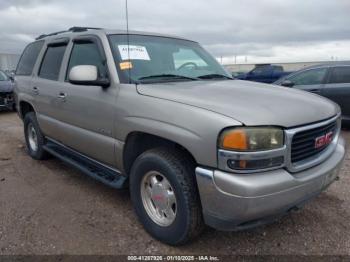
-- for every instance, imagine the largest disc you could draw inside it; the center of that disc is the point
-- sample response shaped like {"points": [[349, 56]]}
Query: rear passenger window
{"points": [[51, 64], [87, 53], [30, 54], [340, 75]]}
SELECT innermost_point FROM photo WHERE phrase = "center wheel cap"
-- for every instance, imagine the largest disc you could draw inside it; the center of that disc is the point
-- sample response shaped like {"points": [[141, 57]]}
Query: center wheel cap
{"points": [[158, 198]]}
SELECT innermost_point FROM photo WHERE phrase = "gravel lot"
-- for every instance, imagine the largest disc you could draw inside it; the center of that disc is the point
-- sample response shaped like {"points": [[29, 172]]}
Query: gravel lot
{"points": [[50, 208]]}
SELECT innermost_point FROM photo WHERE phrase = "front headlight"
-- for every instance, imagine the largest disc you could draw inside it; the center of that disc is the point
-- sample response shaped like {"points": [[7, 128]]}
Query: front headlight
{"points": [[252, 139], [247, 149]]}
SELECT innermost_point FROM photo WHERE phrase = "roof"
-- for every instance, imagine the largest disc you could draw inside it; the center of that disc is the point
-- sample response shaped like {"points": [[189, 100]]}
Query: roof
{"points": [[329, 64], [104, 31]]}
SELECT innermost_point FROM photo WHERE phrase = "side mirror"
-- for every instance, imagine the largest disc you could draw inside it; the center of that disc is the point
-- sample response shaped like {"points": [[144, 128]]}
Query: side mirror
{"points": [[86, 75], [287, 83]]}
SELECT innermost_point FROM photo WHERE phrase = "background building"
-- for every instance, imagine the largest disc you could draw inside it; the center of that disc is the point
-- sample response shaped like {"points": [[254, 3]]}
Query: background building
{"points": [[8, 62]]}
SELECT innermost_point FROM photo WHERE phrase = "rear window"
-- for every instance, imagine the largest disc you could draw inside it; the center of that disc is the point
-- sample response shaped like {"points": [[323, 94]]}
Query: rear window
{"points": [[28, 58], [51, 64], [262, 70], [340, 75], [278, 69]]}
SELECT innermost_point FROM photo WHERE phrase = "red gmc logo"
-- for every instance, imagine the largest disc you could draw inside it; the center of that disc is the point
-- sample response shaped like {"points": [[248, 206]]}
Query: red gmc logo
{"points": [[324, 140]]}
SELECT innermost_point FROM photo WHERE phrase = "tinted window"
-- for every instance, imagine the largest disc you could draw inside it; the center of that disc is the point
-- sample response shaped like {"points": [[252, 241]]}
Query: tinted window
{"points": [[87, 54], [340, 75], [309, 77], [28, 58], [51, 64], [277, 69]]}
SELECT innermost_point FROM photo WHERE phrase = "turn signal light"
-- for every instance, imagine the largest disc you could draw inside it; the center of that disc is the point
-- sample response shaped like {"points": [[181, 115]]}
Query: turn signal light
{"points": [[236, 139]]}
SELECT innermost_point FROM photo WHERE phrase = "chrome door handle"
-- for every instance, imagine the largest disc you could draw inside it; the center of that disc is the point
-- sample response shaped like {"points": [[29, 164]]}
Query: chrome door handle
{"points": [[62, 96], [35, 90]]}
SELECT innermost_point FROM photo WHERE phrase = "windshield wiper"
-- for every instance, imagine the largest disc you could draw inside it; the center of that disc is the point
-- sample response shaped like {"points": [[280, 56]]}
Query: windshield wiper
{"points": [[214, 76], [166, 76]]}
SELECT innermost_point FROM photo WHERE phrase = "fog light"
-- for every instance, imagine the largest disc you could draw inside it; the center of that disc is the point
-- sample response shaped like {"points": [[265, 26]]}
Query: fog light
{"points": [[255, 164]]}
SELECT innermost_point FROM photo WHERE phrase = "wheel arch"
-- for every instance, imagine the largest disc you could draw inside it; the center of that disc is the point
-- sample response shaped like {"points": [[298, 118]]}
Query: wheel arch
{"points": [[138, 142], [24, 108]]}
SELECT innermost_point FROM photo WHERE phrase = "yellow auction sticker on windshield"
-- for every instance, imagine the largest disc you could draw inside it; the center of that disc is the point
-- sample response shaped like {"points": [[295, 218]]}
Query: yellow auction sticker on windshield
{"points": [[125, 65]]}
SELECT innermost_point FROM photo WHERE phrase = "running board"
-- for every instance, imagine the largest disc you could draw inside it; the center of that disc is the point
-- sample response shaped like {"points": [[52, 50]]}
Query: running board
{"points": [[89, 167]]}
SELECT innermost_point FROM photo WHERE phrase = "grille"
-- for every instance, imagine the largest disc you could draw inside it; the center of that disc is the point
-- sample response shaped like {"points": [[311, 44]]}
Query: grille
{"points": [[303, 143]]}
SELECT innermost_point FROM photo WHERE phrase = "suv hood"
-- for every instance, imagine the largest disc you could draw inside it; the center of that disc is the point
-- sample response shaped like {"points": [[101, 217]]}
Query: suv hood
{"points": [[6, 86], [248, 102]]}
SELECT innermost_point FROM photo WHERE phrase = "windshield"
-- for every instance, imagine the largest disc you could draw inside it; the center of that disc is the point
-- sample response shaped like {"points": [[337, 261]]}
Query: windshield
{"points": [[152, 59], [3, 76]]}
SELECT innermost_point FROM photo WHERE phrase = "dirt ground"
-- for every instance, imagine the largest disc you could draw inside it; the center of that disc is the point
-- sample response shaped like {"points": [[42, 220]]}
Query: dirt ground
{"points": [[47, 207]]}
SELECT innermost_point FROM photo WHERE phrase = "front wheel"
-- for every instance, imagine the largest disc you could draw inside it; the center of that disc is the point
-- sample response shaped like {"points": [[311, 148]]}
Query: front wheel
{"points": [[164, 193]]}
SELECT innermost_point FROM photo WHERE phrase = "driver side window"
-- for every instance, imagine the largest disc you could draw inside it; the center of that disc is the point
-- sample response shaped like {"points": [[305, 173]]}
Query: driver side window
{"points": [[309, 77], [87, 53], [187, 56]]}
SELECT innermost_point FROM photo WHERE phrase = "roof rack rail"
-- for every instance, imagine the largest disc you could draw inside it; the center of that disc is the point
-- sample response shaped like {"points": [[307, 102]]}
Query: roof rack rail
{"points": [[74, 29], [82, 28], [45, 35]]}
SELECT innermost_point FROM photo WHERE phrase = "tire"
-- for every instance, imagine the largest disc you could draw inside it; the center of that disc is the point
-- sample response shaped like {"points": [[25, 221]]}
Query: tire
{"points": [[30, 123], [178, 171]]}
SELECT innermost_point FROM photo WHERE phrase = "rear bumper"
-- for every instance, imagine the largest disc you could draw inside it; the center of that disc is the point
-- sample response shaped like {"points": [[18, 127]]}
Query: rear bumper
{"points": [[238, 201]]}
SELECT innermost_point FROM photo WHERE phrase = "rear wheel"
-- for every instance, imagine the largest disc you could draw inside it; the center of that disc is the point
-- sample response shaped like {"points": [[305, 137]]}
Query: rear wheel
{"points": [[164, 193], [35, 140]]}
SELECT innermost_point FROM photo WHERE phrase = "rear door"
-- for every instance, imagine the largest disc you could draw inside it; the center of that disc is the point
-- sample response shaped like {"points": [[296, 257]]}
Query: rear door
{"points": [[337, 88], [89, 110], [48, 90], [25, 71], [311, 80]]}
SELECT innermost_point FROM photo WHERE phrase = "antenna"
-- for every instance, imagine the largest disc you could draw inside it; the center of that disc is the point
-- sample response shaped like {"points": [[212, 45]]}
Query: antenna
{"points": [[127, 37]]}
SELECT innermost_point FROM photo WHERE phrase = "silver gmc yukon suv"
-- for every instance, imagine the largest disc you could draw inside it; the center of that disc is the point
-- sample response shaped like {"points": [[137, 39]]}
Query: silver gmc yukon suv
{"points": [[159, 115]]}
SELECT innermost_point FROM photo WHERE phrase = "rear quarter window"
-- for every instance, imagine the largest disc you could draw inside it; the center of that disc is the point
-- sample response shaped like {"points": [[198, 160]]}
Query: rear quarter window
{"points": [[28, 58], [340, 75]]}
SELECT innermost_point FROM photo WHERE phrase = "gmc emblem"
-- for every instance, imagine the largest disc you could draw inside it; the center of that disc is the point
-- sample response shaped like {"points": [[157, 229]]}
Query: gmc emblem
{"points": [[324, 140]]}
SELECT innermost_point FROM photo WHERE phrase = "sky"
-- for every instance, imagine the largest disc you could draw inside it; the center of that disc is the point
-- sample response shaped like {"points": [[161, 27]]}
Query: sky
{"points": [[249, 31]]}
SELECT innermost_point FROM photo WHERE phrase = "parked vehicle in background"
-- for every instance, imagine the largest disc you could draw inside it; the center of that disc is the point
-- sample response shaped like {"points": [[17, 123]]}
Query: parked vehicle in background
{"points": [[160, 115], [328, 80], [237, 75], [266, 73], [10, 73], [6, 92]]}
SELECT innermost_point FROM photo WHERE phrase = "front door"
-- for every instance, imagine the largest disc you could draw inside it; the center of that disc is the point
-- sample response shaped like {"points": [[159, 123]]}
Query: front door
{"points": [[89, 110], [311, 80]]}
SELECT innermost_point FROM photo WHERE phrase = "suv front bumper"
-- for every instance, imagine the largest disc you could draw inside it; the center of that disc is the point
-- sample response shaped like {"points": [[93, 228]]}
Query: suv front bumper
{"points": [[237, 201]]}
